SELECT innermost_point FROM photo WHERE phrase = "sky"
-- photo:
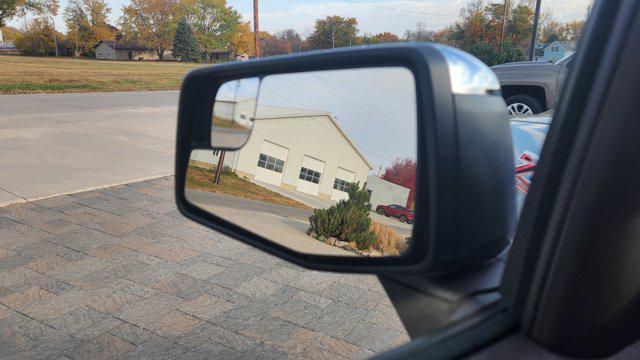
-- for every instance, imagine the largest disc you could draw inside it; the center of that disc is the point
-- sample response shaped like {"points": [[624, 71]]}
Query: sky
{"points": [[373, 16], [375, 107]]}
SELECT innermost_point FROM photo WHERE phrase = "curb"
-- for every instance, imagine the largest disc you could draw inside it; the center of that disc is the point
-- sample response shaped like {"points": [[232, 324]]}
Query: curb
{"points": [[25, 200]]}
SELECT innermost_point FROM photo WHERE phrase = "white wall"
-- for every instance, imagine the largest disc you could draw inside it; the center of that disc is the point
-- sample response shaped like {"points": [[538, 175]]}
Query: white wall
{"points": [[208, 156], [313, 136], [105, 52], [386, 193]]}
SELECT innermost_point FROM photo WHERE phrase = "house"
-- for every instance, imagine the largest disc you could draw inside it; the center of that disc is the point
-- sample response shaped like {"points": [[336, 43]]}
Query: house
{"points": [[9, 49], [558, 50], [298, 150], [217, 56], [383, 192], [538, 52], [242, 57], [120, 50]]}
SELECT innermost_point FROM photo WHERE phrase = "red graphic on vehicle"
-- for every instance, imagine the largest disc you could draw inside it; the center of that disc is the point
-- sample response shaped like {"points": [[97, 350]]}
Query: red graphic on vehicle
{"points": [[524, 171]]}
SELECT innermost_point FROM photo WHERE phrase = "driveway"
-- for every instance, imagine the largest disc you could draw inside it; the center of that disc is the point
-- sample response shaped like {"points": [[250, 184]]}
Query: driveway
{"points": [[119, 273], [58, 143]]}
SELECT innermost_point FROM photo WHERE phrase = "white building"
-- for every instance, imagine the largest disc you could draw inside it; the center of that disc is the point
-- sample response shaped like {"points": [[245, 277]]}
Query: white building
{"points": [[385, 193], [109, 50], [299, 150]]}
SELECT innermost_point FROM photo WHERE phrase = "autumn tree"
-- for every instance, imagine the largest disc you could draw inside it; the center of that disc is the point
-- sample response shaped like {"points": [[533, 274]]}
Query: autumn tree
{"points": [[38, 38], [10, 34], [86, 21], [242, 41], [386, 37], [402, 172], [334, 31], [271, 45], [293, 38], [214, 23], [151, 22]]}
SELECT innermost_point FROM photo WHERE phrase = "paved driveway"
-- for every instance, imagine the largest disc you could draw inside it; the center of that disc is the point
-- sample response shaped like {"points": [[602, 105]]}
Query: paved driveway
{"points": [[58, 143], [118, 273]]}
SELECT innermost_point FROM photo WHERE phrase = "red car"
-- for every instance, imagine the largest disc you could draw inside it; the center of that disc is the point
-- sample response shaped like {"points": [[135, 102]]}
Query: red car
{"points": [[399, 212]]}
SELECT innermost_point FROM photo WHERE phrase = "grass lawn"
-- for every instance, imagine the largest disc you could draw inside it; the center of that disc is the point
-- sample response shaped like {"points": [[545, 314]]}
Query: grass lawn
{"points": [[26, 75], [202, 179]]}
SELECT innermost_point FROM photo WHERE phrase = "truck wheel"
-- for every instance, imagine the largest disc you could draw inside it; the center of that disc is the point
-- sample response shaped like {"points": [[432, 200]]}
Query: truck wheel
{"points": [[523, 105]]}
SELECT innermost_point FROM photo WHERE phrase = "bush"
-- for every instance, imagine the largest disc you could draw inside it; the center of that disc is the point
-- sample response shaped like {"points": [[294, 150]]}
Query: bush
{"points": [[348, 220], [389, 242]]}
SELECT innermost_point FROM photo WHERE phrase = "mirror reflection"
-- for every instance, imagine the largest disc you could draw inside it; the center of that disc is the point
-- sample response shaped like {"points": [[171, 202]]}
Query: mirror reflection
{"points": [[329, 165], [233, 113]]}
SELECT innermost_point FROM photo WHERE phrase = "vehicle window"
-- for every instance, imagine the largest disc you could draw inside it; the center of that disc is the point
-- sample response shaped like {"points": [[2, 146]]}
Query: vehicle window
{"points": [[95, 258]]}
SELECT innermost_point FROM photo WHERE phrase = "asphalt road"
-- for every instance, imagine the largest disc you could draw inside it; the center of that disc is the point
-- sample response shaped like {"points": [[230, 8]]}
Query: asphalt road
{"points": [[284, 224], [228, 201], [59, 143]]}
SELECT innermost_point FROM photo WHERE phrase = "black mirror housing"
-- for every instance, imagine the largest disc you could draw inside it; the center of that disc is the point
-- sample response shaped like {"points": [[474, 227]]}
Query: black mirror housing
{"points": [[465, 184]]}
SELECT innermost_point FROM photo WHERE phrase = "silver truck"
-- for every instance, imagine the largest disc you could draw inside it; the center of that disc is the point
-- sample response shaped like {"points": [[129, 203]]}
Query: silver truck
{"points": [[532, 87]]}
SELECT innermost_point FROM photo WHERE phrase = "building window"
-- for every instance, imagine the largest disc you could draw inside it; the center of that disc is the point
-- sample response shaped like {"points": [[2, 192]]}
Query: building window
{"points": [[309, 175], [270, 163], [341, 185]]}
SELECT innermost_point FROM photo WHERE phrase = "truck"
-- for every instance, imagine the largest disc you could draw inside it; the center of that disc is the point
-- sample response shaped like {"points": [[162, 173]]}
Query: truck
{"points": [[532, 87]]}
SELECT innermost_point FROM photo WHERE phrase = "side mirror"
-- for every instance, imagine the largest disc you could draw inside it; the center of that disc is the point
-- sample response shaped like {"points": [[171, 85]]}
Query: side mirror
{"points": [[286, 154]]}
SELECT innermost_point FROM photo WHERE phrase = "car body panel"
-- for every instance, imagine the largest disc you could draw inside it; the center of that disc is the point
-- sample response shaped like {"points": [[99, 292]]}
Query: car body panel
{"points": [[550, 77], [529, 134]]}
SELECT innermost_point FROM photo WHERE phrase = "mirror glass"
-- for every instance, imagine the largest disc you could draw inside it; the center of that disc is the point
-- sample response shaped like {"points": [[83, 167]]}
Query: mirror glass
{"points": [[329, 166], [233, 113]]}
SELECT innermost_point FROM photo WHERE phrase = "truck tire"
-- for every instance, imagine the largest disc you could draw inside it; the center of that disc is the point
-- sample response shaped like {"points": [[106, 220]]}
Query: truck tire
{"points": [[523, 105]]}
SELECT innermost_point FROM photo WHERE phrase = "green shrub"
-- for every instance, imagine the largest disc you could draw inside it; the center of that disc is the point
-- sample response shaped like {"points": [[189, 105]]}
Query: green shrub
{"points": [[348, 220]]}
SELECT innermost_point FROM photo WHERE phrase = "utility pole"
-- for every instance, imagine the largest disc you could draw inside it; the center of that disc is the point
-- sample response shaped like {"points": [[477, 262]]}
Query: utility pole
{"points": [[505, 12], [333, 36], [534, 32], [216, 180], [256, 37]]}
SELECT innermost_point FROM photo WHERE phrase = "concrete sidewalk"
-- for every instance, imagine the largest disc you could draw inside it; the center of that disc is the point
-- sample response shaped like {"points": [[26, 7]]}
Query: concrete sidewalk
{"points": [[58, 143], [119, 273]]}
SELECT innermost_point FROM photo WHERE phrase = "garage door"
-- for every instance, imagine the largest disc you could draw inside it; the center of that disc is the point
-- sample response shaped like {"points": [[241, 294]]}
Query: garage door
{"points": [[310, 173], [342, 181], [271, 163]]}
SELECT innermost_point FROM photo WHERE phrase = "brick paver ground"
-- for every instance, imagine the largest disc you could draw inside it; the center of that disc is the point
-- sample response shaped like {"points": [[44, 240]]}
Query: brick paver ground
{"points": [[119, 273]]}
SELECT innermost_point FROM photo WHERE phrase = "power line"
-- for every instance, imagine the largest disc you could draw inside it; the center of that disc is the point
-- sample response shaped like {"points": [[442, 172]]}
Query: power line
{"points": [[398, 9]]}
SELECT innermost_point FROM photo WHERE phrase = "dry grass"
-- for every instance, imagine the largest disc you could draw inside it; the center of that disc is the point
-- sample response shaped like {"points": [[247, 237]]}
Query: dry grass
{"points": [[388, 240], [199, 178], [25, 75]]}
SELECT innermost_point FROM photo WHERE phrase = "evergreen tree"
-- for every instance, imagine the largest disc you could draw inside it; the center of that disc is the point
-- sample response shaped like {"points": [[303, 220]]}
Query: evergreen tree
{"points": [[185, 44]]}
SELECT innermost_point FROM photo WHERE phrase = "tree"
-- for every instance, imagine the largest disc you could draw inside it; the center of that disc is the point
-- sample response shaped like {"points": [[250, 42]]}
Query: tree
{"points": [[152, 22], [271, 45], [348, 220], [38, 38], [242, 42], [10, 34], [8, 9], [292, 37], [87, 22], [214, 23], [492, 55], [386, 37], [419, 33], [334, 31], [185, 45], [402, 172]]}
